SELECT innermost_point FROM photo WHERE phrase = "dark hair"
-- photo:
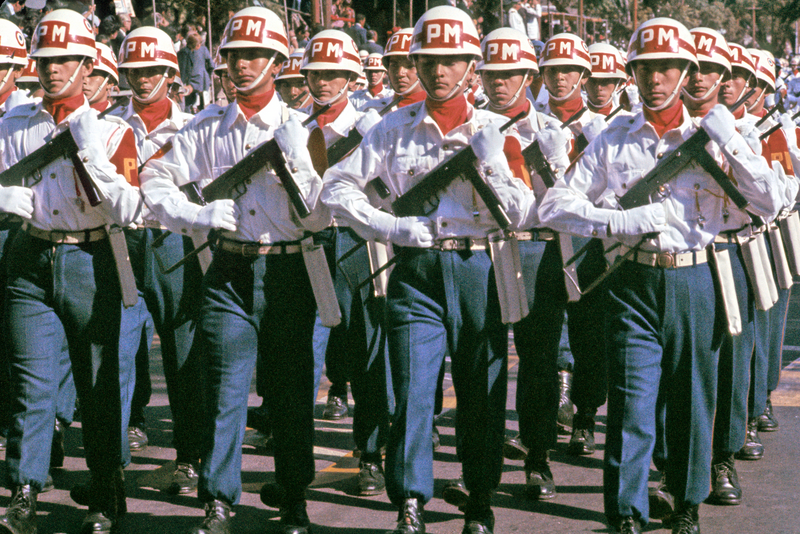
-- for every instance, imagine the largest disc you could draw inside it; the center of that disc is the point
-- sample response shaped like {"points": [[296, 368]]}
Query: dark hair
{"points": [[109, 25], [360, 17]]}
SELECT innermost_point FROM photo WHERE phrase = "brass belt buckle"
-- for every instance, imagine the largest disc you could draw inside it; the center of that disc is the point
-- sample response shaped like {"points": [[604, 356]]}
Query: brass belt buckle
{"points": [[665, 260]]}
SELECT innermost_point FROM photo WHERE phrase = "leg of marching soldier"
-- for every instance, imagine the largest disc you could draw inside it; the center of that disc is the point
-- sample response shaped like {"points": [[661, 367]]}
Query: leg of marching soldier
{"points": [[6, 232], [415, 309]]}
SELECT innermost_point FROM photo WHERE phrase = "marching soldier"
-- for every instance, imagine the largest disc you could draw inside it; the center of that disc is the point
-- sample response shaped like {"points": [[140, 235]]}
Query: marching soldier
{"points": [[660, 306], [608, 76], [374, 71], [221, 70], [401, 72], [257, 294], [104, 75], [28, 80], [62, 277], [441, 292], [291, 84]]}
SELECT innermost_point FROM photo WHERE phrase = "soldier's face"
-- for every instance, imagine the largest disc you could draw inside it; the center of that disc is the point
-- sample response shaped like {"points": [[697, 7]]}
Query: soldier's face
{"points": [[227, 86], [92, 83], [734, 87], [144, 80], [441, 74], [402, 73], [561, 79], [658, 78], [292, 91], [501, 86], [703, 79], [374, 77], [245, 65], [55, 72], [9, 85], [326, 84], [600, 90]]}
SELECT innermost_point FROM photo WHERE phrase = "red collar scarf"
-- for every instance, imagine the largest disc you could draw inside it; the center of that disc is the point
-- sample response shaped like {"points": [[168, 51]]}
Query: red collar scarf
{"points": [[516, 110], [605, 110], [448, 114], [101, 106], [5, 96], [375, 90], [153, 114], [252, 104], [413, 98], [565, 110], [61, 108], [739, 113], [666, 119], [332, 113]]}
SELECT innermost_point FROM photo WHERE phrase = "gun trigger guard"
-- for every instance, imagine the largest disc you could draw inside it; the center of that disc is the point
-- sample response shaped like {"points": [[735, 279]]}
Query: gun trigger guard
{"points": [[663, 191], [240, 190]]}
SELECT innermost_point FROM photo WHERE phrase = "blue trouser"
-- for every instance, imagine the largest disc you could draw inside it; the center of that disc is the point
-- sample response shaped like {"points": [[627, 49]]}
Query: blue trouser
{"points": [[6, 232], [256, 306], [440, 302], [536, 338], [55, 291], [173, 301], [735, 354], [660, 334]]}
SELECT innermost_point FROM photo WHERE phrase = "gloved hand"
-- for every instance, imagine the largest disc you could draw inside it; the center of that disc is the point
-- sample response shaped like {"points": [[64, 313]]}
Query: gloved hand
{"points": [[403, 231], [719, 124], [553, 143], [595, 126], [638, 221], [85, 129], [292, 137], [17, 201], [750, 134], [367, 121], [17, 98], [633, 94], [222, 214], [488, 142]]}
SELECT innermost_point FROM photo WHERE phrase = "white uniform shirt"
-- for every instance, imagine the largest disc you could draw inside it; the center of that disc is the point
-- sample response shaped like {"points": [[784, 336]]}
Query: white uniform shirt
{"points": [[401, 149], [213, 142], [582, 202], [534, 16], [341, 125], [59, 202], [789, 184], [362, 97], [515, 21]]}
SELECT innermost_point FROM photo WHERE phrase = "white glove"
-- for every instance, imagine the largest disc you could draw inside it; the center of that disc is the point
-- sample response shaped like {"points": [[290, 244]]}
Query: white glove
{"points": [[488, 142], [403, 231], [789, 128], [222, 214], [367, 121], [638, 221], [719, 124], [595, 126], [17, 98], [553, 143], [633, 94], [292, 137], [85, 129], [17, 201], [750, 134]]}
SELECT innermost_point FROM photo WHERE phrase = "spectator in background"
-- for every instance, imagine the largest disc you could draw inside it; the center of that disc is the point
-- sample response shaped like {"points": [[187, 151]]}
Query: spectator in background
{"points": [[515, 19], [371, 45], [533, 12], [194, 61], [10, 10], [125, 25], [358, 32], [110, 27], [305, 36]]}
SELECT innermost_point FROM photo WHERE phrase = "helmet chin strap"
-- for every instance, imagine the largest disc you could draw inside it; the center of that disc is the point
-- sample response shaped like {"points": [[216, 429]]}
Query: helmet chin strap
{"points": [[568, 95], [9, 72], [757, 100], [455, 88], [252, 85], [513, 99], [706, 97], [66, 85], [331, 100], [151, 97], [99, 88], [598, 106], [666, 103], [409, 90]]}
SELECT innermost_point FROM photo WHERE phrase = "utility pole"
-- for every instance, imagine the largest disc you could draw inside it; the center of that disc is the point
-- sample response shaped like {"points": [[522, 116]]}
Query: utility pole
{"points": [[753, 9], [635, 15]]}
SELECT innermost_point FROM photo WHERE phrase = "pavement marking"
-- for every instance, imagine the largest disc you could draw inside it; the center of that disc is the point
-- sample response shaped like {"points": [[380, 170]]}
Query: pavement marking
{"points": [[788, 392]]}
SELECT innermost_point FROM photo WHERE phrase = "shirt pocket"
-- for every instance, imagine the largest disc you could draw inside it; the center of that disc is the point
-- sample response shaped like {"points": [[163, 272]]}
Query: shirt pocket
{"points": [[408, 170]]}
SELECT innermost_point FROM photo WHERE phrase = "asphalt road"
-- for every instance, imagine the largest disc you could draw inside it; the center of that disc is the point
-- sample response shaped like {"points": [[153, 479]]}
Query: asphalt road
{"points": [[770, 486]]}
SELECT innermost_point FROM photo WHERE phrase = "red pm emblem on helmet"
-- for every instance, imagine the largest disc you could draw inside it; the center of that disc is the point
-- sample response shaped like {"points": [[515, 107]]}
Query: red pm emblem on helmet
{"points": [[326, 50], [661, 38], [604, 62], [502, 51], [140, 49], [52, 34], [441, 33], [399, 42], [247, 29]]}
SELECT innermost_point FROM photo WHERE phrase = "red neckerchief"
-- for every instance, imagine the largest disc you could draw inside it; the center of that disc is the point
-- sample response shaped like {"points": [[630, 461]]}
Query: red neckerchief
{"points": [[696, 113], [101, 106], [739, 113], [375, 90], [252, 104], [471, 95], [61, 108], [153, 114], [448, 114], [516, 110], [5, 96], [565, 110], [666, 119], [605, 110], [760, 113], [413, 98], [332, 113]]}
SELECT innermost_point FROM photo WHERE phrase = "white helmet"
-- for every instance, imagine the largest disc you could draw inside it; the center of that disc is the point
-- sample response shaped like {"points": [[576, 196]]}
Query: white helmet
{"points": [[607, 62], [106, 61], [256, 27], [12, 44], [29, 74], [661, 38], [399, 43], [147, 47], [445, 31], [566, 49], [331, 50], [507, 49], [63, 32], [291, 67], [765, 66], [375, 62], [741, 58], [362, 56], [711, 47]]}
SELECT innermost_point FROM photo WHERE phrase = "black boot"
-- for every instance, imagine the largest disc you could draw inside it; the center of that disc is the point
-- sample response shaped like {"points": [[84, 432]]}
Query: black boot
{"points": [[20, 516], [767, 421], [217, 520], [539, 479], [725, 488], [686, 521], [661, 501], [455, 492], [513, 449], [565, 406], [582, 441], [753, 449], [107, 504], [57, 451], [478, 515], [409, 519], [294, 518]]}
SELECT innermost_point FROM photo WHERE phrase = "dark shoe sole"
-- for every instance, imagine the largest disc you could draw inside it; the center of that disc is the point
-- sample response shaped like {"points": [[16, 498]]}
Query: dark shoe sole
{"points": [[661, 507], [749, 457], [579, 449], [512, 451], [455, 496], [723, 501], [536, 495], [767, 427]]}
